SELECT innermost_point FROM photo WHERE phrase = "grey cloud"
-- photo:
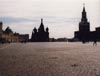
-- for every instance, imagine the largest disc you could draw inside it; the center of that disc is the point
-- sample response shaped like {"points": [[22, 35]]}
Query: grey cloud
{"points": [[54, 19], [47, 19], [9, 20]]}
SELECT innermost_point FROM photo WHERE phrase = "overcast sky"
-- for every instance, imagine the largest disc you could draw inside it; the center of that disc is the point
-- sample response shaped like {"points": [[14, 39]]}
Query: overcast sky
{"points": [[61, 16]]}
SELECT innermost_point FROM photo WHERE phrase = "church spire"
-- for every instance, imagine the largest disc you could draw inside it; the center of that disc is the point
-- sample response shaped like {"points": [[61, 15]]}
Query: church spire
{"points": [[84, 16], [41, 20], [84, 7], [41, 28]]}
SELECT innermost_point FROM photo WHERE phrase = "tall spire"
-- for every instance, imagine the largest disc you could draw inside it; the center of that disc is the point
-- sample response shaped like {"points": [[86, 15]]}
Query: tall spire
{"points": [[84, 16], [41, 20], [84, 7], [41, 28]]}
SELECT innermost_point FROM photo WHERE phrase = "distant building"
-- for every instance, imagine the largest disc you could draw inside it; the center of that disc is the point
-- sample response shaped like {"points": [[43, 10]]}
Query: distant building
{"points": [[40, 35], [61, 40], [84, 34], [1, 31], [84, 28], [23, 37], [96, 35], [7, 36], [1, 28]]}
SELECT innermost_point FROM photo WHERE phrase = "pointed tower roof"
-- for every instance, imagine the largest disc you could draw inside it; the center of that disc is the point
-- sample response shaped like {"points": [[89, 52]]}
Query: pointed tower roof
{"points": [[41, 20], [41, 28], [8, 30], [41, 25], [84, 7], [84, 15]]}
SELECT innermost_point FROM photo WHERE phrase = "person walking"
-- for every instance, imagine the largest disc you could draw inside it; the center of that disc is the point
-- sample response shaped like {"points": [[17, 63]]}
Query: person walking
{"points": [[95, 43]]}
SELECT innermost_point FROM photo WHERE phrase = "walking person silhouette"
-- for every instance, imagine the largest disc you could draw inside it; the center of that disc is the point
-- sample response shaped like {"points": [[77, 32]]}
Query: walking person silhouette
{"points": [[95, 43]]}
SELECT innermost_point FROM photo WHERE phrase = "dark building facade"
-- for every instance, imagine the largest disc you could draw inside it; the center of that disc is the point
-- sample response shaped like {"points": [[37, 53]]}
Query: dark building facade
{"points": [[1, 31], [40, 34], [7, 36], [84, 28], [84, 34]]}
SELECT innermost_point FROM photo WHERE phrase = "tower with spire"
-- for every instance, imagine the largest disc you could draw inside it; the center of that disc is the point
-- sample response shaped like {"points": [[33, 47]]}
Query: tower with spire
{"points": [[84, 27], [41, 34]]}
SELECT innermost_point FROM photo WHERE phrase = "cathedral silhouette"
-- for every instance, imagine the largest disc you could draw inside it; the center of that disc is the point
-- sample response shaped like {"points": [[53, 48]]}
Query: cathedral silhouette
{"points": [[40, 34]]}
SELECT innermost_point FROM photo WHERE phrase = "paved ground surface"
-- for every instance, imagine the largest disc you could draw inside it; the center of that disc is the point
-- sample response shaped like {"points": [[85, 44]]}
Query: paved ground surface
{"points": [[49, 59]]}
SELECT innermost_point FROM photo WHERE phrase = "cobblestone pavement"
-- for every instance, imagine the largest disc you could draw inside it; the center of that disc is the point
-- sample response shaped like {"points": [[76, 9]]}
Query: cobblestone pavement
{"points": [[50, 59]]}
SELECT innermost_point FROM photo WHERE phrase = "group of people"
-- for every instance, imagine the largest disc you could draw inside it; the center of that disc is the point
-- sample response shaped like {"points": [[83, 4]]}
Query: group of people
{"points": [[95, 43]]}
